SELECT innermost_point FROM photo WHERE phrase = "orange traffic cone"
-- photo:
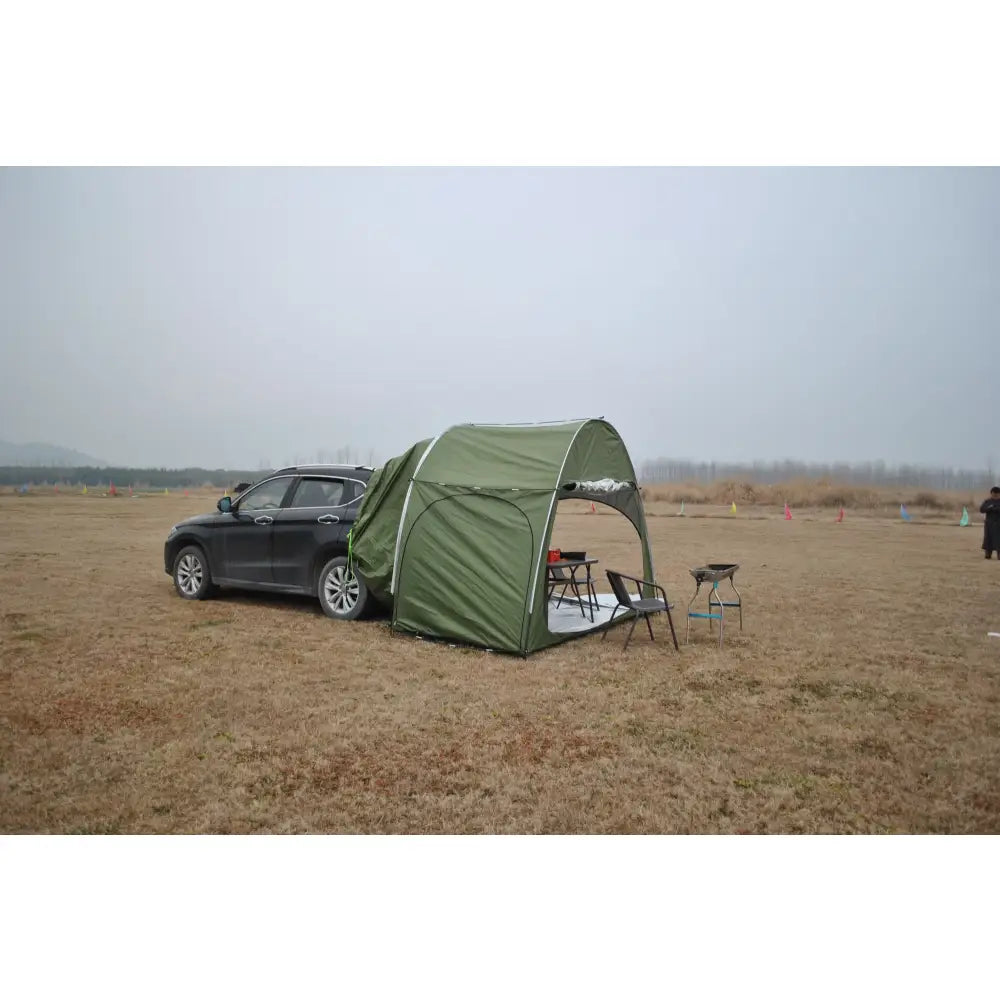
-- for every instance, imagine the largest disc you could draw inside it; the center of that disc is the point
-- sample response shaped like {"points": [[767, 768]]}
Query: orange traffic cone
{"points": [[840, 516], [788, 513]]}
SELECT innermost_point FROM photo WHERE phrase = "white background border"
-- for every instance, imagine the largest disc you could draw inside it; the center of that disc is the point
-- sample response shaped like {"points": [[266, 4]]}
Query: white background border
{"points": [[518, 83]]}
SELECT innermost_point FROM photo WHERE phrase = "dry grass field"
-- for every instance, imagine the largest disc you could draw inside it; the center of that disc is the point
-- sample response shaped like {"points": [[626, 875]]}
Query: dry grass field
{"points": [[813, 494], [862, 695]]}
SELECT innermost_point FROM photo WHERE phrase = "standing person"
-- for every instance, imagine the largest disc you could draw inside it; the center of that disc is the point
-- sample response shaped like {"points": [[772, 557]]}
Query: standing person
{"points": [[991, 526]]}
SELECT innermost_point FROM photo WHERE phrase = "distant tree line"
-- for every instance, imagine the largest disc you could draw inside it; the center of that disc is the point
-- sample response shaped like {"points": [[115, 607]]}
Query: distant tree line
{"points": [[658, 470], [671, 470], [141, 479]]}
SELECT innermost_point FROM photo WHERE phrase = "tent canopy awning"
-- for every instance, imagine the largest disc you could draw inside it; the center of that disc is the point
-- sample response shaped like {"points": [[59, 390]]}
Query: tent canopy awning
{"points": [[468, 518]]}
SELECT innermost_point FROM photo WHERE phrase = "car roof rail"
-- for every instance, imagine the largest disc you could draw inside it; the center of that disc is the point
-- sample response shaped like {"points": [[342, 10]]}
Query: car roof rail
{"points": [[323, 465]]}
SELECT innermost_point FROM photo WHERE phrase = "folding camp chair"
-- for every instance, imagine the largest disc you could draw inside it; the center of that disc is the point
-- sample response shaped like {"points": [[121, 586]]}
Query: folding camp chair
{"points": [[642, 607], [558, 577]]}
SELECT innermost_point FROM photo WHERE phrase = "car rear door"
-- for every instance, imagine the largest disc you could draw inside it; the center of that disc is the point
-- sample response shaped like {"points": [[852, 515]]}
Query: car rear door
{"points": [[315, 518]]}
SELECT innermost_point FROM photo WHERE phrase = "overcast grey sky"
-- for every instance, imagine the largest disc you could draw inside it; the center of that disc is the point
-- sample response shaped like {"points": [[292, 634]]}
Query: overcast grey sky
{"points": [[221, 317]]}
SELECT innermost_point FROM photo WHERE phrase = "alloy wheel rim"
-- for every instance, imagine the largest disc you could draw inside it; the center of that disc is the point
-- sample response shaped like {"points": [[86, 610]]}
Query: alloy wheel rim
{"points": [[341, 589], [190, 574]]}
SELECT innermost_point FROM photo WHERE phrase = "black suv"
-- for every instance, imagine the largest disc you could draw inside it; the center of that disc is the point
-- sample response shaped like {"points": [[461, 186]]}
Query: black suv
{"points": [[287, 533]]}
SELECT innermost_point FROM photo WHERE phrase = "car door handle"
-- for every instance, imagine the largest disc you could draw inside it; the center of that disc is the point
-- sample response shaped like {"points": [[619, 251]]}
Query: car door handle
{"points": [[263, 519], [328, 519]]}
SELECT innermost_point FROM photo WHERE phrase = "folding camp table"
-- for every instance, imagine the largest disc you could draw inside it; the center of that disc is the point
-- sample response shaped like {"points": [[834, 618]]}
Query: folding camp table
{"points": [[714, 573], [554, 580]]}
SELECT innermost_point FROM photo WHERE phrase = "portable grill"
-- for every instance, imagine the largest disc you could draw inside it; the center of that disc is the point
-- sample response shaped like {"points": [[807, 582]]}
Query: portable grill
{"points": [[714, 573]]}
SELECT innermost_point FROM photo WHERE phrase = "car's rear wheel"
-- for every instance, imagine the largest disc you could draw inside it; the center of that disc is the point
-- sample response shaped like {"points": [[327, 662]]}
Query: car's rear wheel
{"points": [[192, 579], [342, 593]]}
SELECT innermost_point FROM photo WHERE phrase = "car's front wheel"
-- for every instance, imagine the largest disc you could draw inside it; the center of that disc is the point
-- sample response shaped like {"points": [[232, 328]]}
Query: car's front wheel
{"points": [[342, 593], [192, 579]]}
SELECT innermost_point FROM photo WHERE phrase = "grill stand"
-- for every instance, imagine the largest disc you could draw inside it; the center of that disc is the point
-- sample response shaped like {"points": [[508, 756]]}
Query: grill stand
{"points": [[714, 573]]}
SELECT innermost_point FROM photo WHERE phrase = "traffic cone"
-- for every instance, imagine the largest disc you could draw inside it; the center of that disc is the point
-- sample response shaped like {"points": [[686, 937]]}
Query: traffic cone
{"points": [[732, 510], [111, 489], [904, 513], [840, 516], [682, 508], [964, 523], [130, 489], [185, 493], [788, 513], [593, 509], [84, 490]]}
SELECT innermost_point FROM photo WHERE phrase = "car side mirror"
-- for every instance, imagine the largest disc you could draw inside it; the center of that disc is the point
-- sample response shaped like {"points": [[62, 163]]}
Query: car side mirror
{"points": [[225, 505]]}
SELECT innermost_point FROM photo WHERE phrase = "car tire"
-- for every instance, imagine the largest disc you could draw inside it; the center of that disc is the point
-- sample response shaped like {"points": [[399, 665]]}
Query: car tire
{"points": [[192, 578], [342, 593]]}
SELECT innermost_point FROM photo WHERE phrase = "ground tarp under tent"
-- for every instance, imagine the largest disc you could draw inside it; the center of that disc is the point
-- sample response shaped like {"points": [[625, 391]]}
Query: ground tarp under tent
{"points": [[453, 534]]}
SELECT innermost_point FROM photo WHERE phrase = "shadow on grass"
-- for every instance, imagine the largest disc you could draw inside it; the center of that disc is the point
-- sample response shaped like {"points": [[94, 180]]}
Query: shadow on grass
{"points": [[290, 602]]}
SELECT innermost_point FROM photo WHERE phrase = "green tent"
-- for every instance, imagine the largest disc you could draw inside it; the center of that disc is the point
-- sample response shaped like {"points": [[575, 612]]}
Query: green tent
{"points": [[453, 535]]}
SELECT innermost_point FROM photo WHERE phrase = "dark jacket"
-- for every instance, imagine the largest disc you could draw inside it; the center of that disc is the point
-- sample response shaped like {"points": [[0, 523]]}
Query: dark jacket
{"points": [[991, 527]]}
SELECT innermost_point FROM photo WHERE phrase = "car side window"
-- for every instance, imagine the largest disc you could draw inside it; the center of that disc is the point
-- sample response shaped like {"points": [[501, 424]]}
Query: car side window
{"points": [[319, 493], [267, 496]]}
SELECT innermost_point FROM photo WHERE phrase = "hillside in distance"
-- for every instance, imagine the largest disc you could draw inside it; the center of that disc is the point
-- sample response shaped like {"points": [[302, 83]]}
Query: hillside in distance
{"points": [[40, 454]]}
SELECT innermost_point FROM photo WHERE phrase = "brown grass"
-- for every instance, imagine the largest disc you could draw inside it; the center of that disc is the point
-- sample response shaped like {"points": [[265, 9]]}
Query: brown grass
{"points": [[861, 697], [816, 493]]}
